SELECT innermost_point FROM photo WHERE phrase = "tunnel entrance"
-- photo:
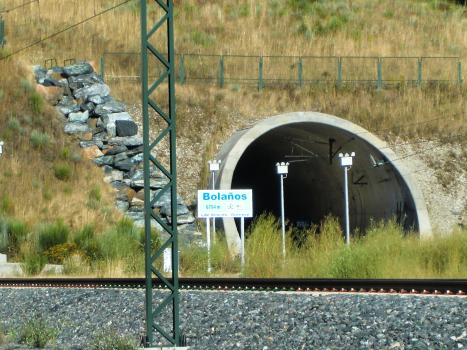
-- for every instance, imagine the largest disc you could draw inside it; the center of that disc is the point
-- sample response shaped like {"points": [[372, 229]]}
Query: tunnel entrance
{"points": [[380, 187]]}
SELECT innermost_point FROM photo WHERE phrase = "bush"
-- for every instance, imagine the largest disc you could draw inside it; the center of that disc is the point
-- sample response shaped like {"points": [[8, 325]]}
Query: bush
{"points": [[25, 85], [36, 332], [36, 103], [65, 153], [107, 340], [17, 232], [39, 139], [58, 253], [6, 205], [84, 236], [51, 235], [13, 124], [32, 264], [62, 172]]}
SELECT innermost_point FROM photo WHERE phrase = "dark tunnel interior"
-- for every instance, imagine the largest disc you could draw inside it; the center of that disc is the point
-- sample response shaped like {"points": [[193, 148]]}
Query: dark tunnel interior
{"points": [[314, 186]]}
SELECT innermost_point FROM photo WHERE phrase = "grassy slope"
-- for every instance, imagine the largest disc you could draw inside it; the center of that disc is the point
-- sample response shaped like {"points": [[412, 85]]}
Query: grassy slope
{"points": [[277, 27]]}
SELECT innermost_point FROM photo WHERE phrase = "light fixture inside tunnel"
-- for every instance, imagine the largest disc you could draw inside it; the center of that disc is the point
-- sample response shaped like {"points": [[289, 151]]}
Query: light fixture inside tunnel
{"points": [[282, 169], [346, 162]]}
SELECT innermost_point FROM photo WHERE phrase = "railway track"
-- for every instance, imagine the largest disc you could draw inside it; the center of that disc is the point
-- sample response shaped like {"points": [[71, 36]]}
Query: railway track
{"points": [[399, 286]]}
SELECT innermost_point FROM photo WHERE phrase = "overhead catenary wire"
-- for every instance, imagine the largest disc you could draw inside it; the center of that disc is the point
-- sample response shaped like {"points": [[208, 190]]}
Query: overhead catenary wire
{"points": [[17, 7], [64, 30]]}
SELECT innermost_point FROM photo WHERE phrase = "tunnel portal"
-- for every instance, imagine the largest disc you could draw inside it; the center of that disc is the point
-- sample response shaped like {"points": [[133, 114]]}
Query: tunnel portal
{"points": [[380, 186]]}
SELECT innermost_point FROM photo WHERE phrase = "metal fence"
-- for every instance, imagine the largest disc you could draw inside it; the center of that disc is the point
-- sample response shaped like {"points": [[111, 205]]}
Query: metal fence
{"points": [[292, 70]]}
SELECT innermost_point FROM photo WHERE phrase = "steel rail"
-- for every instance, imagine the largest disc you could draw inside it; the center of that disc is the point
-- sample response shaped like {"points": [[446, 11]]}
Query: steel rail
{"points": [[413, 286]]}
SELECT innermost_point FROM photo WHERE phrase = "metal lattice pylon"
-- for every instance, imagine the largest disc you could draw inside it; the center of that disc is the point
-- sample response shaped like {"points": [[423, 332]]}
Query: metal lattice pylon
{"points": [[151, 39]]}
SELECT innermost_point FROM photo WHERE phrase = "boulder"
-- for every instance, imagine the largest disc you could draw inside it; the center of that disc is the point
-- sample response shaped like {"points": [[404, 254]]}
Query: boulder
{"points": [[110, 107], [67, 109], [112, 118], [96, 99], [75, 128], [154, 184], [87, 107], [116, 150], [182, 219], [119, 157], [81, 117], [129, 141], [124, 165], [84, 144], [86, 79], [135, 151], [96, 89], [116, 176], [92, 152], [165, 199], [105, 160], [122, 205], [125, 194], [78, 68], [52, 94], [166, 209], [126, 128]]}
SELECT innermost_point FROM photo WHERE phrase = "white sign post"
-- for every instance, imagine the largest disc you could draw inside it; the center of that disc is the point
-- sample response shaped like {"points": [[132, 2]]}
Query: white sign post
{"points": [[224, 204]]}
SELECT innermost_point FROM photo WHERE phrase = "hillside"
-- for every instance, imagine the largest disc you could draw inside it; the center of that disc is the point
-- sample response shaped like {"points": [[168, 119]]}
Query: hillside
{"points": [[207, 115]]}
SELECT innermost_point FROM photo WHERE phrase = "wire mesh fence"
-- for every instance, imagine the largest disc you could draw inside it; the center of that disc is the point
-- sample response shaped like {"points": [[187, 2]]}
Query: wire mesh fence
{"points": [[291, 70]]}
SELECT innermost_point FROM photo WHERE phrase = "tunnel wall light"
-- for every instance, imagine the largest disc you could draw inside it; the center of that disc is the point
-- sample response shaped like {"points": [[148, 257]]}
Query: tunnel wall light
{"points": [[282, 169], [346, 162]]}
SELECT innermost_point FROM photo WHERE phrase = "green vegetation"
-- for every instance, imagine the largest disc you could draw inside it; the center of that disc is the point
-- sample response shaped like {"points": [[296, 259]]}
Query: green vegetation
{"points": [[37, 332], [108, 340], [62, 171], [51, 235]]}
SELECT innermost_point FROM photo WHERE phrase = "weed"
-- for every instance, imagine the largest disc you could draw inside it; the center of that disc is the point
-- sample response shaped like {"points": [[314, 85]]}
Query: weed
{"points": [[17, 232], [62, 172], [108, 340], [36, 102], [39, 140], [57, 254], [76, 158], [37, 332], [13, 124], [6, 204], [64, 153], [33, 263], [84, 236], [53, 234], [1, 95], [25, 85]]}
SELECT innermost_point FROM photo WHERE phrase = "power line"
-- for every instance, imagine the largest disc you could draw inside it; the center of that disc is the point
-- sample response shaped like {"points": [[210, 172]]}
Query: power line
{"points": [[64, 30], [17, 7]]}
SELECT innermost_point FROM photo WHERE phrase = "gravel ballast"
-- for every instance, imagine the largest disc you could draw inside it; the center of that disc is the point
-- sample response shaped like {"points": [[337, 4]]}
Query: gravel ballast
{"points": [[247, 320]]}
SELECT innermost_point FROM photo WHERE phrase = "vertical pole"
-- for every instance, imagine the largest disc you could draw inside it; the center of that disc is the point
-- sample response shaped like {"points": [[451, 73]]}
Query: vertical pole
{"points": [[221, 72], [347, 236], [419, 72], [339, 71], [282, 215], [182, 70], [103, 66], [300, 72], [380, 75], [213, 219], [208, 242], [459, 73], [242, 238], [260, 80]]}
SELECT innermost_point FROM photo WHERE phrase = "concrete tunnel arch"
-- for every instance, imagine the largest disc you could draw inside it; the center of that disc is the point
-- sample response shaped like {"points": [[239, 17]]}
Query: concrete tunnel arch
{"points": [[314, 187]]}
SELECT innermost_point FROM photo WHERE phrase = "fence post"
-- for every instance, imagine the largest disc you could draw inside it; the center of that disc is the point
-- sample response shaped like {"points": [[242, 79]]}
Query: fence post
{"points": [[102, 66], [221, 72], [339, 71], [459, 73], [300, 72], [260, 80], [419, 72], [182, 70], [380, 74], [2, 32]]}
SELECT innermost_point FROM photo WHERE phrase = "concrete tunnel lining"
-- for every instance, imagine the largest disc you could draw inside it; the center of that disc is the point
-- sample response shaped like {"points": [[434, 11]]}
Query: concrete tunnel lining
{"points": [[314, 187]]}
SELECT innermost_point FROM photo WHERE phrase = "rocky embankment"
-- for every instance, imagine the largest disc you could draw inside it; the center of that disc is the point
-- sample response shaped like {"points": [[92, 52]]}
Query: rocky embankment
{"points": [[110, 138]]}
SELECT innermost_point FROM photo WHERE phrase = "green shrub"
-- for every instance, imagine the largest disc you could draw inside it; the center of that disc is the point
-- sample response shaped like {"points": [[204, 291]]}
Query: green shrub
{"points": [[39, 139], [53, 234], [58, 253], [13, 124], [36, 103], [1, 95], [108, 340], [36, 332], [76, 157], [17, 233], [26, 85], [65, 153], [33, 263], [62, 172], [84, 236], [6, 205], [95, 193]]}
